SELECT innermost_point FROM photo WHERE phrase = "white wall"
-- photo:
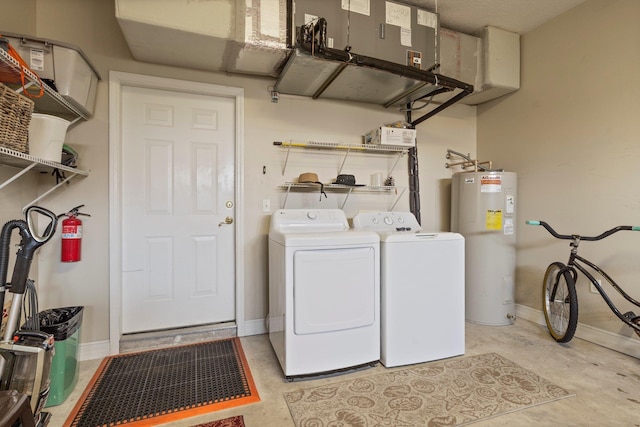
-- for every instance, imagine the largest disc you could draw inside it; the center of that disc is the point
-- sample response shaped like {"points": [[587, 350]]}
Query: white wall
{"points": [[91, 25], [571, 134], [301, 119]]}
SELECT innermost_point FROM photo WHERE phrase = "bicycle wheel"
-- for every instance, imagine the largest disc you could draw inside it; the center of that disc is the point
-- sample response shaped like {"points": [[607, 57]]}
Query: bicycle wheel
{"points": [[560, 302]]}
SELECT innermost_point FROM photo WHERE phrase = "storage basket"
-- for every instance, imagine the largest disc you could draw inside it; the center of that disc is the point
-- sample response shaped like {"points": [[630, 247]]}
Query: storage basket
{"points": [[15, 116]]}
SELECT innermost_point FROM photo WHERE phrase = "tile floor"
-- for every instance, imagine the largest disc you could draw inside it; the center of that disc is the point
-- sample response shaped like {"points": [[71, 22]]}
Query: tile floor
{"points": [[606, 384]]}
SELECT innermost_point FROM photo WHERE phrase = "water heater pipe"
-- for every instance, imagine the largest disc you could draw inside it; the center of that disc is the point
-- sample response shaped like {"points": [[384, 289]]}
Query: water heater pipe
{"points": [[468, 161]]}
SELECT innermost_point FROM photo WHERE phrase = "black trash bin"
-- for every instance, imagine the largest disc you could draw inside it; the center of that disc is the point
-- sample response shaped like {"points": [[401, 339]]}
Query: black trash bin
{"points": [[64, 324]]}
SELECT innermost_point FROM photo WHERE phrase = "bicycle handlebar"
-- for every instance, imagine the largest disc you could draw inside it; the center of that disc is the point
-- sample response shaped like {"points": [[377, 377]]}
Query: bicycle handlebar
{"points": [[607, 233]]}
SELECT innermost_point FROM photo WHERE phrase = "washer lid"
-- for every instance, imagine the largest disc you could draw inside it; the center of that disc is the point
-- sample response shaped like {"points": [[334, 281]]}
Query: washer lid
{"points": [[405, 237]]}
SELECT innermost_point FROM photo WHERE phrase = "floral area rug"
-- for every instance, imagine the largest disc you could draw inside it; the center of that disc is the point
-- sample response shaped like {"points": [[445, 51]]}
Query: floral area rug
{"points": [[237, 421], [451, 392]]}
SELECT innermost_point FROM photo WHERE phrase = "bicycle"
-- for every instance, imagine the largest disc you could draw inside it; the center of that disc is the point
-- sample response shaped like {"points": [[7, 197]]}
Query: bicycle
{"points": [[560, 299]]}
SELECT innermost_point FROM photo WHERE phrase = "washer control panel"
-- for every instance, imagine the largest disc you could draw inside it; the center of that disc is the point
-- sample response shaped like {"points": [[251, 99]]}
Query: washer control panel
{"points": [[386, 221]]}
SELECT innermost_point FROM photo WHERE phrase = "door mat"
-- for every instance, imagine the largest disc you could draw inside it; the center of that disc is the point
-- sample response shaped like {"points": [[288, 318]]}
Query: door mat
{"points": [[159, 386], [452, 392], [237, 421]]}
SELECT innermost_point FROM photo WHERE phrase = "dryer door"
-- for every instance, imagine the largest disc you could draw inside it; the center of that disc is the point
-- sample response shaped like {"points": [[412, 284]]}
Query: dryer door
{"points": [[333, 289]]}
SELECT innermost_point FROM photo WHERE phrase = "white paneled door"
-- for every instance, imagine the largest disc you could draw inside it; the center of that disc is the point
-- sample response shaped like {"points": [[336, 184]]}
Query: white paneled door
{"points": [[178, 205]]}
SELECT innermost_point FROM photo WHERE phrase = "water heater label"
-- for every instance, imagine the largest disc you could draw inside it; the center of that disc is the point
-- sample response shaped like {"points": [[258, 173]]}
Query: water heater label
{"points": [[494, 219], [491, 184], [508, 226], [510, 202]]}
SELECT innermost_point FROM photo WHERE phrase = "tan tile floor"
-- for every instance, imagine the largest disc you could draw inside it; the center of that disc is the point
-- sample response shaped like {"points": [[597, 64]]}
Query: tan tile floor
{"points": [[606, 383]]}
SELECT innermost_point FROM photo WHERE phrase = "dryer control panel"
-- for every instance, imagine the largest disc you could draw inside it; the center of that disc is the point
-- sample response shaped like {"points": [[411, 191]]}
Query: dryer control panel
{"points": [[386, 221], [306, 220]]}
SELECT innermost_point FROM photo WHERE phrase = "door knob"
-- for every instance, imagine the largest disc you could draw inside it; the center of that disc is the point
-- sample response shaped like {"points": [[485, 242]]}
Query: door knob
{"points": [[227, 220]]}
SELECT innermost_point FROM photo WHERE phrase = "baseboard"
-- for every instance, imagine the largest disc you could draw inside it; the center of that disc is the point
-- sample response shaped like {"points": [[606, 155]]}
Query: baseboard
{"points": [[93, 350], [255, 327], [530, 314], [616, 342], [100, 349]]}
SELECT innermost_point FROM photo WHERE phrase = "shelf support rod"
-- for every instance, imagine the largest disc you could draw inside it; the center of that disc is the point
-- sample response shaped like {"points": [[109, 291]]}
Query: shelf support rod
{"points": [[346, 198], [397, 199], [286, 159], [25, 87], [45, 194], [286, 196], [74, 121], [344, 160], [395, 164], [18, 175]]}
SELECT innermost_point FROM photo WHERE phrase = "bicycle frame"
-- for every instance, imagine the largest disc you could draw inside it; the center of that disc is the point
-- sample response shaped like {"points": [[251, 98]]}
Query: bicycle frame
{"points": [[574, 260], [575, 264]]}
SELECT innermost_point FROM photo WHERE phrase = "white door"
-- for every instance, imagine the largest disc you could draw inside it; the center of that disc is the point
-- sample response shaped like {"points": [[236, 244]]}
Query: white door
{"points": [[177, 185]]}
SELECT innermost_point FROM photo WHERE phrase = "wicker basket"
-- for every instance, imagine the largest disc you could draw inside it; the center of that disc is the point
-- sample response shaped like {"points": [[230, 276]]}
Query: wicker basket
{"points": [[15, 116]]}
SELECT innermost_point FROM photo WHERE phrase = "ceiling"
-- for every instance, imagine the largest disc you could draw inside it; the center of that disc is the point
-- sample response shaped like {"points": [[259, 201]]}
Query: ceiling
{"points": [[519, 16]]}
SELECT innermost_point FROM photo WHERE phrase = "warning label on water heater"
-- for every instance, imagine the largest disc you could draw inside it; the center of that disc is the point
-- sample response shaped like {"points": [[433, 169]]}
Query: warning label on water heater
{"points": [[491, 184], [508, 226], [494, 219]]}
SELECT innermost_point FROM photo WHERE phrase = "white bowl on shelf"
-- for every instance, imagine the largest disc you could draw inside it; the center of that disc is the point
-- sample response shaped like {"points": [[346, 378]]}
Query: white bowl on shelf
{"points": [[46, 136]]}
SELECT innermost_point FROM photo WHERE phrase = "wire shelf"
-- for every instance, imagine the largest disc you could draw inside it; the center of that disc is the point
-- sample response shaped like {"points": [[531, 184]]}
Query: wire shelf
{"points": [[20, 160], [51, 102], [343, 147]]}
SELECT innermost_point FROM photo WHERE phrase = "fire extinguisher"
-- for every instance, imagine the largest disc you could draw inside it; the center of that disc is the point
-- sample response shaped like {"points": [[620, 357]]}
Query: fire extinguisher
{"points": [[72, 235]]}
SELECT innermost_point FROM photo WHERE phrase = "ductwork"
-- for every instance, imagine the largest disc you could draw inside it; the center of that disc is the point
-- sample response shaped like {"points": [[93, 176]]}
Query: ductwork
{"points": [[235, 36], [321, 72], [255, 37]]}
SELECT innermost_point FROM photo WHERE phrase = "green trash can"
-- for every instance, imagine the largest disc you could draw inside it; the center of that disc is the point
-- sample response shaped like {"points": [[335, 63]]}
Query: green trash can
{"points": [[64, 324]]}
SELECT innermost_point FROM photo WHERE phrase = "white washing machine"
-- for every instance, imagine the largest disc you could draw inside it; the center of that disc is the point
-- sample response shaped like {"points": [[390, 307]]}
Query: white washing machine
{"points": [[324, 292], [422, 289]]}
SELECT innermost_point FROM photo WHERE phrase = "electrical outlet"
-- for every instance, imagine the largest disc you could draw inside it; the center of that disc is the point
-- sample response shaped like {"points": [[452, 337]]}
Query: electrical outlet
{"points": [[266, 206], [592, 288]]}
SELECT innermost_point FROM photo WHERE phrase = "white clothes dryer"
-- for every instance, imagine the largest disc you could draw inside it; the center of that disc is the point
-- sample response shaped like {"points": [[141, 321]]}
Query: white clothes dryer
{"points": [[422, 289], [324, 292]]}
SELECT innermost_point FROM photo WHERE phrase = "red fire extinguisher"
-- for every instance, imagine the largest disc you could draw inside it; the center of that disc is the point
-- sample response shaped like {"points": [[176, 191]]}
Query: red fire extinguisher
{"points": [[72, 235]]}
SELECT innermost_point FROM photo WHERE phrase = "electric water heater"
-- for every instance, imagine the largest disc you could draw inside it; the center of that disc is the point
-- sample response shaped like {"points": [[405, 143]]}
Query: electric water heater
{"points": [[483, 210]]}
